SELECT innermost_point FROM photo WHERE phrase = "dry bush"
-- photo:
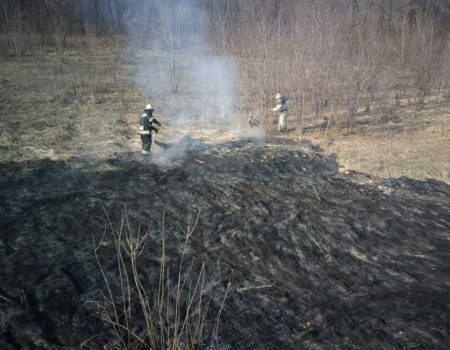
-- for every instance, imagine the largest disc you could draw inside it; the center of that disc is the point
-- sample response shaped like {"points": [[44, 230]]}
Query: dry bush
{"points": [[169, 309], [333, 58]]}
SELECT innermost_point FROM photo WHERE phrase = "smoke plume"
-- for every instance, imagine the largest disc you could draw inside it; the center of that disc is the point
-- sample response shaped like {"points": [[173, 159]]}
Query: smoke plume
{"points": [[190, 87]]}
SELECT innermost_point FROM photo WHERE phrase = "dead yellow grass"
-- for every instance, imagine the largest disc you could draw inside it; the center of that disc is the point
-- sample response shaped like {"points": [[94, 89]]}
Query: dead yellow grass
{"points": [[61, 105], [83, 103], [417, 145]]}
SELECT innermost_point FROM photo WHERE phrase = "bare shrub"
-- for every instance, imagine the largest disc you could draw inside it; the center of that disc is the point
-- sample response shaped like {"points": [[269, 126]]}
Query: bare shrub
{"points": [[159, 310], [364, 55]]}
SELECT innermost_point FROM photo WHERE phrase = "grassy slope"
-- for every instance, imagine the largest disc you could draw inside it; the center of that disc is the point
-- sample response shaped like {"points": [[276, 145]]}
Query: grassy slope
{"points": [[404, 142], [73, 104], [83, 103]]}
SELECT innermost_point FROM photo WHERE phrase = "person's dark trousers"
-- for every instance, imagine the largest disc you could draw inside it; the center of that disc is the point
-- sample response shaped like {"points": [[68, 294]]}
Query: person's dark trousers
{"points": [[146, 143]]}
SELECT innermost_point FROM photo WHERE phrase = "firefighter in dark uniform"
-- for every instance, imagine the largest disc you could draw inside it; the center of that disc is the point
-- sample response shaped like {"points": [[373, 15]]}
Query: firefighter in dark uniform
{"points": [[146, 127]]}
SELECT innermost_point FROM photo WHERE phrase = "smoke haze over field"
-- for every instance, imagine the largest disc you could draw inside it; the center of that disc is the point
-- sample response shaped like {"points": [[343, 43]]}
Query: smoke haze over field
{"points": [[208, 65], [205, 88], [183, 80]]}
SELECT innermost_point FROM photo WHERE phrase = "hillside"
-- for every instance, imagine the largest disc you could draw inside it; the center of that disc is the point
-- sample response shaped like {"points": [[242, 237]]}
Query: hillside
{"points": [[87, 103], [233, 232], [316, 259]]}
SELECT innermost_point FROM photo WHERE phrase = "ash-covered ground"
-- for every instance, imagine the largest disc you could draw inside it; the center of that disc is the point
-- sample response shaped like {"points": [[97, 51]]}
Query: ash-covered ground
{"points": [[317, 259]]}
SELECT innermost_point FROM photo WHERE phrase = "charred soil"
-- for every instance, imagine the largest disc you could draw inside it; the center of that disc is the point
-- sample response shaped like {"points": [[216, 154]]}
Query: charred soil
{"points": [[316, 259]]}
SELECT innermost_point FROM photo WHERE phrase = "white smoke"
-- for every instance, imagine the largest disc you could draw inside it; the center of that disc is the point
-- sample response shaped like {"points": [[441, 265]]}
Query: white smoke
{"points": [[193, 90], [205, 87], [213, 80]]}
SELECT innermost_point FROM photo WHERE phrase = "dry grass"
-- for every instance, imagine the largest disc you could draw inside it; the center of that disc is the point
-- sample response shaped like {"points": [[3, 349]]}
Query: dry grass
{"points": [[84, 102], [401, 142], [76, 103]]}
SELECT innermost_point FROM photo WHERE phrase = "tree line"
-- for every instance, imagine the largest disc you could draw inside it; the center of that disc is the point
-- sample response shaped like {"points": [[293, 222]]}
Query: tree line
{"points": [[331, 57]]}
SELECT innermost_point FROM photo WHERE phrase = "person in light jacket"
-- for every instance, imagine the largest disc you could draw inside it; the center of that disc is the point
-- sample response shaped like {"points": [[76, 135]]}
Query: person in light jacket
{"points": [[282, 108]]}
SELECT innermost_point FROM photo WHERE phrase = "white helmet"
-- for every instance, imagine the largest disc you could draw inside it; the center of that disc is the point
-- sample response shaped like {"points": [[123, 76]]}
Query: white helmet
{"points": [[148, 108], [278, 96]]}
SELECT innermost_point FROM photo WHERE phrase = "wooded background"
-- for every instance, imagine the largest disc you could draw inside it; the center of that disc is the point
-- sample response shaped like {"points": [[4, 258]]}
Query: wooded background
{"points": [[333, 57]]}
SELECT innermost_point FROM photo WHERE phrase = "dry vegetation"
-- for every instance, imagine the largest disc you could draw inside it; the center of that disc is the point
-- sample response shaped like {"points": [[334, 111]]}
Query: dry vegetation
{"points": [[368, 80], [66, 104], [410, 143], [177, 315]]}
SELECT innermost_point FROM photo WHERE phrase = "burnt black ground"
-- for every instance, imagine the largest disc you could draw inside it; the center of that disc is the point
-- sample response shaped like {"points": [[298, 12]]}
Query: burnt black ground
{"points": [[348, 261]]}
